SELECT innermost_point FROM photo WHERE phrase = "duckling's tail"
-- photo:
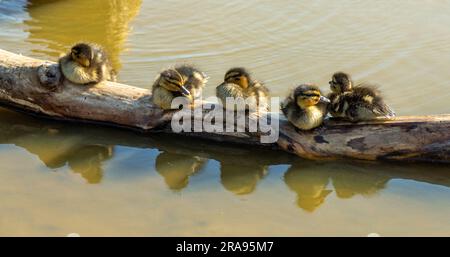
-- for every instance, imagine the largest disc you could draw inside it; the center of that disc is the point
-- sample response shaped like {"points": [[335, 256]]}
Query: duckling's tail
{"points": [[386, 111], [391, 113]]}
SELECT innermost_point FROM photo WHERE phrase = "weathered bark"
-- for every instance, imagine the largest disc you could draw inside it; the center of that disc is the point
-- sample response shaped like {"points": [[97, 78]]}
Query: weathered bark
{"points": [[36, 87], [414, 138]]}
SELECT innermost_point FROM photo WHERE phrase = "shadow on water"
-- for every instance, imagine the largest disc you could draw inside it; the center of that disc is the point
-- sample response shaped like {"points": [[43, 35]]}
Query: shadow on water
{"points": [[55, 25], [86, 148]]}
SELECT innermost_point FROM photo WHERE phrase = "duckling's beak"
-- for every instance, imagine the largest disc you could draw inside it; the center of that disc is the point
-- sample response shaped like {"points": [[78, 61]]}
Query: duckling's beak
{"points": [[85, 62], [324, 99], [184, 91]]}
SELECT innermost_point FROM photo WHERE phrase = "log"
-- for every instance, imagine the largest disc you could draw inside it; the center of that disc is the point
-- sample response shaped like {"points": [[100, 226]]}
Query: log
{"points": [[407, 138], [36, 87]]}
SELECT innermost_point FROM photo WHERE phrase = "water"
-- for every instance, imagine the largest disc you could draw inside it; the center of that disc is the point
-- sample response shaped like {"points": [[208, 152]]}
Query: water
{"points": [[57, 178]]}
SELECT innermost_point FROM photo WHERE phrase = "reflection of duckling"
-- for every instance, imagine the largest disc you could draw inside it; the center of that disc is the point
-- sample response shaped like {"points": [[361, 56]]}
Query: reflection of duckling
{"points": [[241, 180], [239, 84], [85, 64], [183, 80], [362, 102], [310, 186], [177, 168], [88, 161], [353, 181], [305, 107]]}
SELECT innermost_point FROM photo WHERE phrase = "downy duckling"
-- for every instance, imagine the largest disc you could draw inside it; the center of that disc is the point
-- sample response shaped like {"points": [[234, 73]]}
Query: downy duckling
{"points": [[181, 81], [359, 103], [238, 83], [195, 80], [87, 63], [305, 107]]}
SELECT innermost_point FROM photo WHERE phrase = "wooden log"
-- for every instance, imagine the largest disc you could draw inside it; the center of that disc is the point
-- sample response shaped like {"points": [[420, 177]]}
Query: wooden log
{"points": [[36, 87], [413, 138]]}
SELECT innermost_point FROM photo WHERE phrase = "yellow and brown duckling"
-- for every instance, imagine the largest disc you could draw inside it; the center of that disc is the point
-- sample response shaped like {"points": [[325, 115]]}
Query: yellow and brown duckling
{"points": [[356, 103], [238, 83], [305, 107], [87, 63], [180, 81]]}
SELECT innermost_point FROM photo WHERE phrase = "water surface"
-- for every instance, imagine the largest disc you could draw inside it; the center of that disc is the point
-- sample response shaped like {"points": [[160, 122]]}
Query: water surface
{"points": [[57, 178]]}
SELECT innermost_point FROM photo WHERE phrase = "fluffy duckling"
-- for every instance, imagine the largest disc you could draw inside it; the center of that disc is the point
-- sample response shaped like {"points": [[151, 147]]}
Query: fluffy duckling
{"points": [[238, 83], [359, 103], [305, 107], [194, 79], [87, 64], [181, 81]]}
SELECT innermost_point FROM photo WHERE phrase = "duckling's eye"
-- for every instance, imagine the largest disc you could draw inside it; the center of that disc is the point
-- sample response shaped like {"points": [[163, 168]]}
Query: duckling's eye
{"points": [[311, 95], [232, 79]]}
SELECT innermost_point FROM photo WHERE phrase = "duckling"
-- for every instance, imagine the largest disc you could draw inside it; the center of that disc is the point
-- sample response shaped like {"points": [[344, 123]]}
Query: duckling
{"points": [[180, 81], [87, 63], [305, 107], [359, 103], [238, 83], [195, 80]]}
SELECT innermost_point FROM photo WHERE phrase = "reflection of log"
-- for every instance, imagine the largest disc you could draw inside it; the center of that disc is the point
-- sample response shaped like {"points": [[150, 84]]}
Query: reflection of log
{"points": [[57, 143], [29, 85]]}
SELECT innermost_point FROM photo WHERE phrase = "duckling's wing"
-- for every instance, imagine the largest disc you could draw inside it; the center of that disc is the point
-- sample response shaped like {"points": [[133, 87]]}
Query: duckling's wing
{"points": [[261, 93], [383, 109], [204, 76], [186, 69], [371, 96], [195, 79], [100, 55], [366, 90], [225, 90], [287, 104], [260, 89], [338, 104], [198, 79], [190, 71]]}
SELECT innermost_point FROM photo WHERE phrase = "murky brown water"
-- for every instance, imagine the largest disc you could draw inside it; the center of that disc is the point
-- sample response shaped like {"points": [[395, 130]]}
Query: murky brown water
{"points": [[58, 178]]}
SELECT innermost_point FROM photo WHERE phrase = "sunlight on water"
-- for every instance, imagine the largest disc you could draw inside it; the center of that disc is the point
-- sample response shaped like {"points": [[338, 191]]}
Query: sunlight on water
{"points": [[57, 179], [104, 22]]}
